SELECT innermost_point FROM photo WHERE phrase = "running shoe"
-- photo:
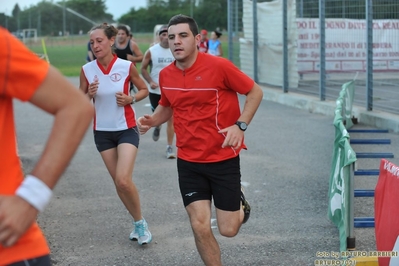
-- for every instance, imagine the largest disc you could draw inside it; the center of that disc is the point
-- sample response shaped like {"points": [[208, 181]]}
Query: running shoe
{"points": [[155, 134], [134, 235], [141, 232], [169, 153], [245, 206]]}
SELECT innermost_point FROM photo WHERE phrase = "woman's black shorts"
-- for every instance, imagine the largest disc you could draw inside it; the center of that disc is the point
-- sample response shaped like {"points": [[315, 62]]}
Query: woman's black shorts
{"points": [[105, 140]]}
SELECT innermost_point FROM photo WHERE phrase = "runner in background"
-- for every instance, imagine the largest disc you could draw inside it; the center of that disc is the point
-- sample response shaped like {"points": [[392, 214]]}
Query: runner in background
{"points": [[159, 56], [127, 49], [215, 46], [90, 56], [203, 44]]}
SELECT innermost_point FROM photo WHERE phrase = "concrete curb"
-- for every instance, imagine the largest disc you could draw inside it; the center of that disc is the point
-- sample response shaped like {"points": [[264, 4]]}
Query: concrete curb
{"points": [[376, 119]]}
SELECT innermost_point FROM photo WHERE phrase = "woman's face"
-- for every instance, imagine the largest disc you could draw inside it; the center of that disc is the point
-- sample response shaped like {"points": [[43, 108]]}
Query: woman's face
{"points": [[213, 35], [100, 44]]}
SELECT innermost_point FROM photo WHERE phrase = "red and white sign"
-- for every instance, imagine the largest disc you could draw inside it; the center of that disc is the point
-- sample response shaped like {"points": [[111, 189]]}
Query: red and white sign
{"points": [[386, 206]]}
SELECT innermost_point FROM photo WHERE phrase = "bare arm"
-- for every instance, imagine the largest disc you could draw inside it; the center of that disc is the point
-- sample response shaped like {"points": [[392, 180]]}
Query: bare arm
{"points": [[72, 112], [144, 69], [137, 56], [123, 99], [160, 116], [234, 135], [220, 49], [89, 89], [82, 83], [72, 115], [252, 102]]}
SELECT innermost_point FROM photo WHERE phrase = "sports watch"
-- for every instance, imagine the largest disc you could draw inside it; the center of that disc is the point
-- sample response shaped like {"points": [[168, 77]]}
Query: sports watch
{"points": [[242, 125]]}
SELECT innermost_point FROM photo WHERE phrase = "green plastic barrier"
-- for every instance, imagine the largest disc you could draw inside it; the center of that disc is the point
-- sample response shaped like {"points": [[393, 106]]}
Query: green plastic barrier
{"points": [[340, 188]]}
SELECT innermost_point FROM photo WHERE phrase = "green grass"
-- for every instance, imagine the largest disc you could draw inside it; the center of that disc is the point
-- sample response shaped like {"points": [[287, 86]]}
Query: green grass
{"points": [[68, 55], [69, 59]]}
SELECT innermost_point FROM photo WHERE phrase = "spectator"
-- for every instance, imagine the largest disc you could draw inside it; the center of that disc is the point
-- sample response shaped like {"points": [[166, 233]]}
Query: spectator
{"points": [[203, 45], [158, 57], [215, 46]]}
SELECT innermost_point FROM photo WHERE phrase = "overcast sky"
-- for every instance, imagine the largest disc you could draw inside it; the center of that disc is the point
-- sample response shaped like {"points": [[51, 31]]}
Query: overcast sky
{"points": [[116, 7]]}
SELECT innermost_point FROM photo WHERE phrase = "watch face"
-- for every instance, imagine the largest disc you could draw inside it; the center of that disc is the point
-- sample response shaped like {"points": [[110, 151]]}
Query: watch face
{"points": [[242, 125]]}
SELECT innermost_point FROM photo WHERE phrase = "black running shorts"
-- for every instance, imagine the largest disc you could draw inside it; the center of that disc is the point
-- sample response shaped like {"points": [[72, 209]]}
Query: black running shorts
{"points": [[105, 140], [154, 100], [204, 181], [40, 261]]}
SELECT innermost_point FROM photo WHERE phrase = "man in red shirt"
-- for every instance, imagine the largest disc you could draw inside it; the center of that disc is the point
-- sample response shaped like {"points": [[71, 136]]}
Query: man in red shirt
{"points": [[25, 77], [204, 43], [200, 91]]}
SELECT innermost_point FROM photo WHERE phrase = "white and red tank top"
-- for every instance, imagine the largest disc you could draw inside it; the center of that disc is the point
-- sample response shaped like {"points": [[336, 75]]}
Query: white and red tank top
{"points": [[108, 115]]}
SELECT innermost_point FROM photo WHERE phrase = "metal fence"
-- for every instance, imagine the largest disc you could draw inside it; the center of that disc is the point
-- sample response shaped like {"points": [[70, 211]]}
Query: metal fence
{"points": [[315, 46]]}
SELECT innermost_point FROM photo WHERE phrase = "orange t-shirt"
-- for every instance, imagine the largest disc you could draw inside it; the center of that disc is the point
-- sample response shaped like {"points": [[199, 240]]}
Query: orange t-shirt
{"points": [[21, 73]]}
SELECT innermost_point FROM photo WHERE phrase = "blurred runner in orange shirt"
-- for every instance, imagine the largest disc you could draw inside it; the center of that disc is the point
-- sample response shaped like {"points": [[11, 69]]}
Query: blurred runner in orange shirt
{"points": [[26, 77]]}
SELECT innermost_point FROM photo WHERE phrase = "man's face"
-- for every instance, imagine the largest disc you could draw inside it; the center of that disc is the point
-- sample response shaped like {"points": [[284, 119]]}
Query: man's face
{"points": [[182, 42], [121, 37], [203, 37], [163, 39]]}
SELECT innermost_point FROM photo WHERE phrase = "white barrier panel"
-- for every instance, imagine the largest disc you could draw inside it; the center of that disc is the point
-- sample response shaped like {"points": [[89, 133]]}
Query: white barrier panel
{"points": [[346, 45]]}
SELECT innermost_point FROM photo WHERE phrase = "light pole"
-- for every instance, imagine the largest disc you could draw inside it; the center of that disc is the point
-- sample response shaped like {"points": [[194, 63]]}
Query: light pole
{"points": [[63, 19], [191, 9]]}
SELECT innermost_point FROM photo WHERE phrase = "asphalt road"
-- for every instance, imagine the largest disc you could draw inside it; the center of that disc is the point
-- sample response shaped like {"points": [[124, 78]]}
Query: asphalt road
{"points": [[285, 170]]}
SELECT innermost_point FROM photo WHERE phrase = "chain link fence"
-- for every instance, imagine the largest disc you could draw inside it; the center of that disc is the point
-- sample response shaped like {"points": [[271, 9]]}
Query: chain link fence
{"points": [[315, 46]]}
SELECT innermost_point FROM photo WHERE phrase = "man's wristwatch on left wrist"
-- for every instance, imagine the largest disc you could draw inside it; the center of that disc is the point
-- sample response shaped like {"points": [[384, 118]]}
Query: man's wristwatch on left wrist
{"points": [[241, 125], [133, 99]]}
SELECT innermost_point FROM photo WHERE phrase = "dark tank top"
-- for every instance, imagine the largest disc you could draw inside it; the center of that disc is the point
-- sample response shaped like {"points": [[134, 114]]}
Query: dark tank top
{"points": [[123, 52]]}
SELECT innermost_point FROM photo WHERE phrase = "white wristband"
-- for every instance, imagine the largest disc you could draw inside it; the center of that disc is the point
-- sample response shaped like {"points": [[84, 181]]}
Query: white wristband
{"points": [[35, 191]]}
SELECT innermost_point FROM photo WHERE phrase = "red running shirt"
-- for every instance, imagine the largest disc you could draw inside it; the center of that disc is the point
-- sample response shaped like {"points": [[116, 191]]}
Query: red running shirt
{"points": [[203, 46], [204, 100]]}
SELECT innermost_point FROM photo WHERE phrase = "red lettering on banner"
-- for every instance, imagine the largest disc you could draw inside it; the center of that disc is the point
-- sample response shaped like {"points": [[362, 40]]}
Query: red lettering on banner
{"points": [[382, 45], [309, 45], [391, 25], [356, 25], [333, 45], [303, 36], [376, 26], [312, 25], [301, 24], [335, 25]]}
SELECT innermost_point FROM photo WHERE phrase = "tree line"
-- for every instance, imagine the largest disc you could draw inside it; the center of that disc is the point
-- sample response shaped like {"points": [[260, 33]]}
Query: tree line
{"points": [[77, 16]]}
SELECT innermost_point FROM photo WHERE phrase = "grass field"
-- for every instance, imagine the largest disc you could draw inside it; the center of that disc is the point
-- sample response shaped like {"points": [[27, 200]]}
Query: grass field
{"points": [[68, 54]]}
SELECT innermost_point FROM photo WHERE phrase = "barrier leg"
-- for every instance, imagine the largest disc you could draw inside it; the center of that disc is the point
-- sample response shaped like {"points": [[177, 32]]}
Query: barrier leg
{"points": [[351, 240]]}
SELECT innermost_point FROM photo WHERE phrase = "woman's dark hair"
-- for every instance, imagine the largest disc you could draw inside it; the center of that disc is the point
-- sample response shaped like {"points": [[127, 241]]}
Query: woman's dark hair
{"points": [[218, 33], [124, 28], [109, 30], [183, 19]]}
